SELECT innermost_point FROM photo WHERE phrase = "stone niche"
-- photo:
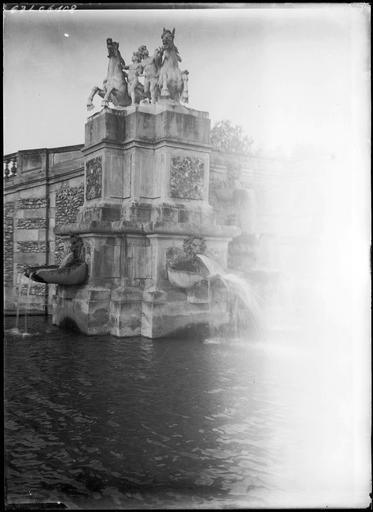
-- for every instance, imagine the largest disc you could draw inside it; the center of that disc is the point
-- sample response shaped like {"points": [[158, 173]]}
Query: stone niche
{"points": [[146, 190]]}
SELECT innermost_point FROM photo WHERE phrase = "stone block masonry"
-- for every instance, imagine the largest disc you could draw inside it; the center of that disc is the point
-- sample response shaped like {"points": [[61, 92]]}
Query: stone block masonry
{"points": [[31, 247], [68, 201], [8, 225], [31, 203], [29, 218], [26, 244], [36, 223], [36, 289]]}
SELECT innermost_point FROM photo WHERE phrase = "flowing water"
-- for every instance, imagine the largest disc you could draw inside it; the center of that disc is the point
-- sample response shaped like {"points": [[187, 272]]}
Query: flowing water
{"points": [[238, 287], [27, 309], [18, 291], [21, 279], [103, 422]]}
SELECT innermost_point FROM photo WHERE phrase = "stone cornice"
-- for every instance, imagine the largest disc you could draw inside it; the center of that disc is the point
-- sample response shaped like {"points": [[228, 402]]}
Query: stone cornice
{"points": [[12, 188], [215, 231], [58, 149], [147, 144], [42, 181]]}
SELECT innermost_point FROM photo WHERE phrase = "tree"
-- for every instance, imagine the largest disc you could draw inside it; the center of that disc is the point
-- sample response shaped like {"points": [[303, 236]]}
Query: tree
{"points": [[230, 138]]}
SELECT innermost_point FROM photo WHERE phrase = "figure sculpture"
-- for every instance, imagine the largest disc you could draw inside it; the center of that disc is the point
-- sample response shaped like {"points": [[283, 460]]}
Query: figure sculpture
{"points": [[75, 254], [162, 76], [72, 270], [151, 66], [172, 81], [115, 87], [136, 89]]}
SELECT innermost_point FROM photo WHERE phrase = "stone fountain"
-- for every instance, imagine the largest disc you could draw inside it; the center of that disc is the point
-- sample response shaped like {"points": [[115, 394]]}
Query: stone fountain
{"points": [[146, 191]]}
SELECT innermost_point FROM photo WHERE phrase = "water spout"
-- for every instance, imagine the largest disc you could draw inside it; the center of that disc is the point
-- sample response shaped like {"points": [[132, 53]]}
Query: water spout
{"points": [[239, 290], [212, 266]]}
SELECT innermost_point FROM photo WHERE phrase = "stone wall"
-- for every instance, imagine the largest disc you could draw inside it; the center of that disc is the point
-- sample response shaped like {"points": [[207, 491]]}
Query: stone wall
{"points": [[31, 223], [29, 216], [32, 203], [8, 224], [68, 201], [37, 289], [30, 241]]}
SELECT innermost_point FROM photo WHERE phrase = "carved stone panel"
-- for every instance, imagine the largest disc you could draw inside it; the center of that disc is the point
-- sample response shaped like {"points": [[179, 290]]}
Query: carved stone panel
{"points": [[186, 177], [93, 178]]}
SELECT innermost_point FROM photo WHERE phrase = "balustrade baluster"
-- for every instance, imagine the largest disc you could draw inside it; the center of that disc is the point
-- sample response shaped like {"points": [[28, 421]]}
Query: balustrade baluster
{"points": [[10, 166], [6, 169], [14, 167]]}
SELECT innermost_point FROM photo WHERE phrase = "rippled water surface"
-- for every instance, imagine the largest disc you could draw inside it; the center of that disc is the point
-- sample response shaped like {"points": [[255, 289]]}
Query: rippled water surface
{"points": [[125, 423]]}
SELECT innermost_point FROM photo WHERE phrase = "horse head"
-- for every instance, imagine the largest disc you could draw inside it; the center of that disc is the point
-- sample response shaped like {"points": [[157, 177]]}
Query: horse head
{"points": [[113, 48], [168, 37]]}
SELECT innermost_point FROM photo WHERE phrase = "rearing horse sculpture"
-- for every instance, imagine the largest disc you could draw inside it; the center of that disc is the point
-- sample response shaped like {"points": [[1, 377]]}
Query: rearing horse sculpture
{"points": [[172, 81], [115, 87]]}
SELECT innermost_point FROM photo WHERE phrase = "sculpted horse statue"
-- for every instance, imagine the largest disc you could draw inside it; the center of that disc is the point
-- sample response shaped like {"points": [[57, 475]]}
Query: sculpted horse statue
{"points": [[115, 87], [172, 81]]}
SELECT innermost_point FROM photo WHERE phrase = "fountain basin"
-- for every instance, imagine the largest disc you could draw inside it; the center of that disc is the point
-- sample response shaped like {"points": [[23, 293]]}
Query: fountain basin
{"points": [[69, 276], [183, 278]]}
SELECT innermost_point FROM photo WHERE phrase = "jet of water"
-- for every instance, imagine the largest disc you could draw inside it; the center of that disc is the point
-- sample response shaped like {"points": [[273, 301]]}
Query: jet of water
{"points": [[27, 309], [18, 289], [242, 289], [238, 287], [22, 279]]}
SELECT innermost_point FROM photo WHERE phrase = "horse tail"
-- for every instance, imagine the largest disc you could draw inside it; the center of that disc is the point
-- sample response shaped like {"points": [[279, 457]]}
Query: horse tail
{"points": [[185, 92], [160, 77]]}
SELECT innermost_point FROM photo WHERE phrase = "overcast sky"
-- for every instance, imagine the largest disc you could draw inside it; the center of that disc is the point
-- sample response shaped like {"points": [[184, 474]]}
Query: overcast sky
{"points": [[287, 75]]}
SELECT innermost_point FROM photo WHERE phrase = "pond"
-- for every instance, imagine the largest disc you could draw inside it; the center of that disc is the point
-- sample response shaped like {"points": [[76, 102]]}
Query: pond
{"points": [[104, 422]]}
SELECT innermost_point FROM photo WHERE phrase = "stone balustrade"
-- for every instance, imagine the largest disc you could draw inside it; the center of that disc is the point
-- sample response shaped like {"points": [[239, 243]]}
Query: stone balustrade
{"points": [[10, 165], [31, 164]]}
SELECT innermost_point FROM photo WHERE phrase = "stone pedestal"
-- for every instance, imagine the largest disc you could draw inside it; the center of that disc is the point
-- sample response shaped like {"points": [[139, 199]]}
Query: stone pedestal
{"points": [[85, 306], [146, 190], [126, 311]]}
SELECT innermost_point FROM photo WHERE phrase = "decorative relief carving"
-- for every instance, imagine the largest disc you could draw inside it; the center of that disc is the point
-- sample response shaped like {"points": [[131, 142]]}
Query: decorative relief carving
{"points": [[186, 177], [93, 178]]}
